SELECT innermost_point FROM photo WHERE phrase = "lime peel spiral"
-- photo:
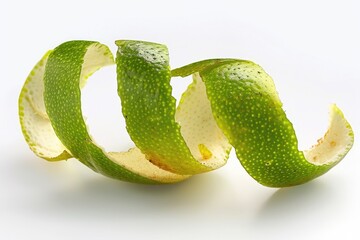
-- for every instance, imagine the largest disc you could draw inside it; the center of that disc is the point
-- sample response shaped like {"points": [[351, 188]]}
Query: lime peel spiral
{"points": [[230, 103]]}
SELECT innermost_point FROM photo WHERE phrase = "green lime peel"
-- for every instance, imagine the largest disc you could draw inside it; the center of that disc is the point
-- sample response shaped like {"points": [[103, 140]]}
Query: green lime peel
{"points": [[230, 103]]}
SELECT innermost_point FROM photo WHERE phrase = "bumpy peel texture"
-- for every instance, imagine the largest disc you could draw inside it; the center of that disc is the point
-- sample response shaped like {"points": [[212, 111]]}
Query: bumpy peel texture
{"points": [[230, 103]]}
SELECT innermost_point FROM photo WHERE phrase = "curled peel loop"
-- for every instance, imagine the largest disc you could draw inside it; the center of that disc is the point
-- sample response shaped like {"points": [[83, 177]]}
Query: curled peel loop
{"points": [[230, 102]]}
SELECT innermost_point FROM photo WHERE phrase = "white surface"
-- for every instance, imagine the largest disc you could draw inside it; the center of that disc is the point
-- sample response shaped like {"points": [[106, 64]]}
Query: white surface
{"points": [[310, 48]]}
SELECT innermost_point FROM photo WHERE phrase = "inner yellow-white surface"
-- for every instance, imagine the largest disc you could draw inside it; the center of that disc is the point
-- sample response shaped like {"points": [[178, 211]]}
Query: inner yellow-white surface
{"points": [[336, 142], [204, 138], [35, 123], [135, 161], [40, 134]]}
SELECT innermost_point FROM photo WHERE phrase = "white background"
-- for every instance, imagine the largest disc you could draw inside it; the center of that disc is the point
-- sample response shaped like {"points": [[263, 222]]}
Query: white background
{"points": [[310, 48]]}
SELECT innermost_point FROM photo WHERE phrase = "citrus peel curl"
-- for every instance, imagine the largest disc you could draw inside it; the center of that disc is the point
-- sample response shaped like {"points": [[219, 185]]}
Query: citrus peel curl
{"points": [[231, 102]]}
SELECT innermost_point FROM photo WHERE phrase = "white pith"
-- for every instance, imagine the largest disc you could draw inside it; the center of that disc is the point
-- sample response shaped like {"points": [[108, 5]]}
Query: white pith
{"points": [[41, 136], [198, 125], [35, 122], [194, 114], [133, 160], [336, 142]]}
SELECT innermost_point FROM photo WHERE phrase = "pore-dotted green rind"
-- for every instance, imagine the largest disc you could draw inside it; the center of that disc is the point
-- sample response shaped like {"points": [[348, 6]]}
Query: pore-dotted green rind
{"points": [[200, 66], [246, 107], [63, 105], [149, 108], [230, 101], [62, 81]]}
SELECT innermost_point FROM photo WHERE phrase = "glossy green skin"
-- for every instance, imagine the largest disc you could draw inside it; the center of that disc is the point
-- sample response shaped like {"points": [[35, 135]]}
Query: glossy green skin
{"points": [[63, 105], [143, 74], [252, 118], [243, 99]]}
